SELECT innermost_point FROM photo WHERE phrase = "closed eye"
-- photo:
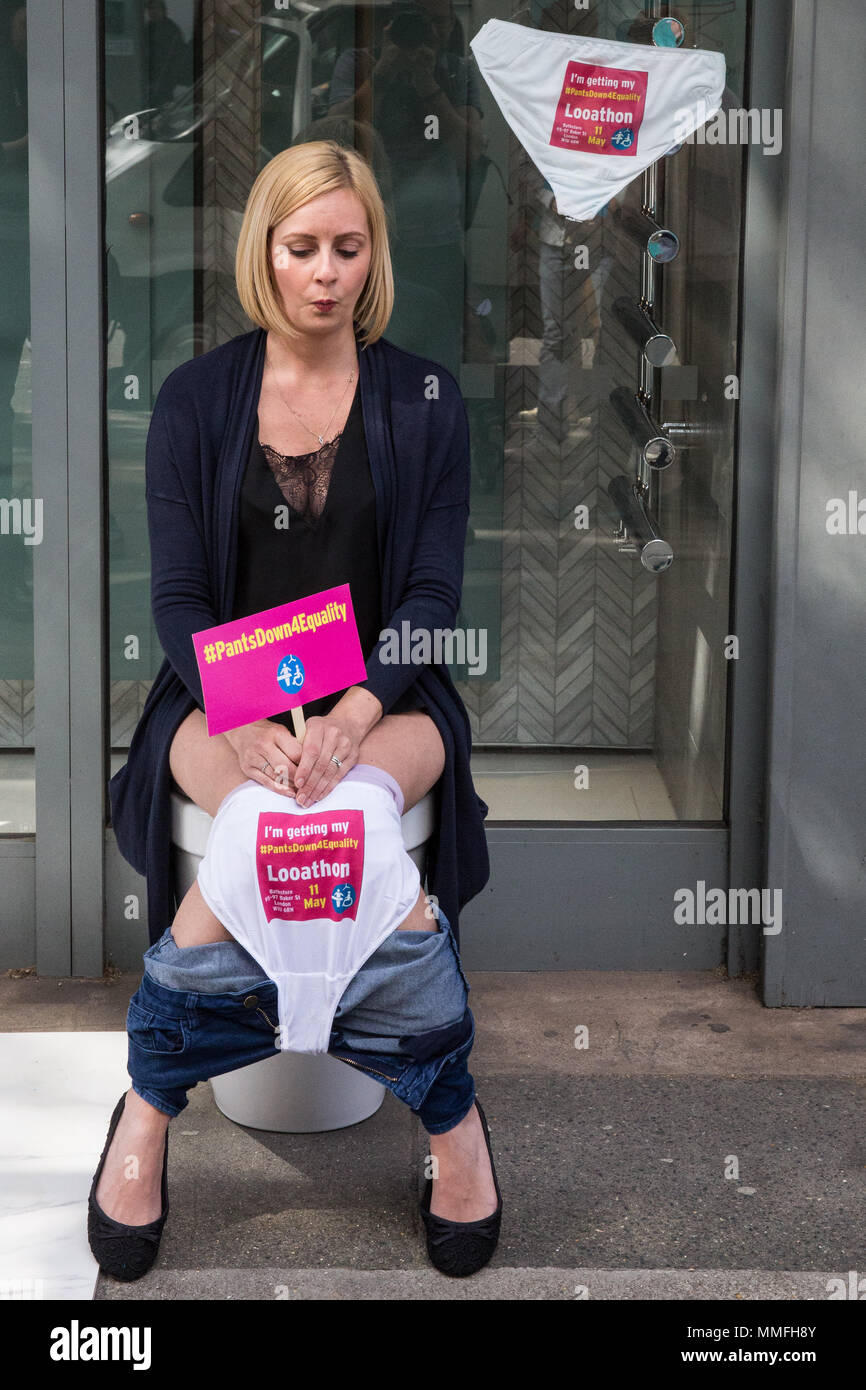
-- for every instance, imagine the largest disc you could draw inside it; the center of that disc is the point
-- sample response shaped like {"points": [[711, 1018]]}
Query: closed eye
{"points": [[308, 252]]}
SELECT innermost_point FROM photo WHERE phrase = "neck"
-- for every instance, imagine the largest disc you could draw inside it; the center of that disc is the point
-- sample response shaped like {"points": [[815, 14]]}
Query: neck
{"points": [[312, 355]]}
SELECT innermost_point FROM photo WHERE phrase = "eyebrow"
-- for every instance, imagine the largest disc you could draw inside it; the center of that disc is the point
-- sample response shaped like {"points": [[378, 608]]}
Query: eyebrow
{"points": [[308, 236]]}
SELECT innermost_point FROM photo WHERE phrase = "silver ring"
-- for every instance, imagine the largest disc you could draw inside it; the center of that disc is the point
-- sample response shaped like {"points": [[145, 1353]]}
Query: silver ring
{"points": [[335, 759], [265, 764]]}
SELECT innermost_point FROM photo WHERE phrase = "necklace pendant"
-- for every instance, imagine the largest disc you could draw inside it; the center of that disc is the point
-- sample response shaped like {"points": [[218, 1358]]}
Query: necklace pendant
{"points": [[320, 438]]}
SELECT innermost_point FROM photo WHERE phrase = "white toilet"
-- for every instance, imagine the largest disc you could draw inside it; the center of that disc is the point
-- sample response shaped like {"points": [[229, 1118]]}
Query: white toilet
{"points": [[292, 1092]]}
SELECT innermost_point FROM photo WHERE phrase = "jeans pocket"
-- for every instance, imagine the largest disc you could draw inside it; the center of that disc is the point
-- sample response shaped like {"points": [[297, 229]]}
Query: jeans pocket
{"points": [[154, 1033]]}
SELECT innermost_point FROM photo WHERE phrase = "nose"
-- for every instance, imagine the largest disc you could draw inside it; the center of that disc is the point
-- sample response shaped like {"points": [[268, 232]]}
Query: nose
{"points": [[326, 266]]}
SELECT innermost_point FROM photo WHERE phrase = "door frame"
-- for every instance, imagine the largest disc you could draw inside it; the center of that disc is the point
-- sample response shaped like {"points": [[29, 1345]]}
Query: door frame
{"points": [[66, 158]]}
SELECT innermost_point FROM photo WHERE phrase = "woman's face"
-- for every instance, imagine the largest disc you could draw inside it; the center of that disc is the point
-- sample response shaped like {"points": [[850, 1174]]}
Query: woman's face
{"points": [[322, 253]]}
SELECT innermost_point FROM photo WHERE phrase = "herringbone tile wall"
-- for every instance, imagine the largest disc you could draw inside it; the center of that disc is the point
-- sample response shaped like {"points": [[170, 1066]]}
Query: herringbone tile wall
{"points": [[16, 714]]}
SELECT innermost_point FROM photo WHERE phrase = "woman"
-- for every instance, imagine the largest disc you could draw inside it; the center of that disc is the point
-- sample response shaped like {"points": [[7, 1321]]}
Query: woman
{"points": [[381, 503]]}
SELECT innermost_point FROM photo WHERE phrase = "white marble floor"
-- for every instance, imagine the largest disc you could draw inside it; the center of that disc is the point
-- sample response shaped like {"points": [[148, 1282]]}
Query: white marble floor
{"points": [[541, 786], [57, 1093]]}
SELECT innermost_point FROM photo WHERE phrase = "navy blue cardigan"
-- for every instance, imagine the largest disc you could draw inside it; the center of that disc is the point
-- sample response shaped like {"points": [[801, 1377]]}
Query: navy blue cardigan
{"points": [[197, 445]]}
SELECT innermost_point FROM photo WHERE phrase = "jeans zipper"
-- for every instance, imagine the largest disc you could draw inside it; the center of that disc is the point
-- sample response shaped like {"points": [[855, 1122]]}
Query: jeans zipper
{"points": [[349, 1062], [275, 1026]]}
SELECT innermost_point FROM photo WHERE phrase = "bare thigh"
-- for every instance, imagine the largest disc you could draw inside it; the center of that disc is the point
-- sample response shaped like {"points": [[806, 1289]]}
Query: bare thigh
{"points": [[408, 746]]}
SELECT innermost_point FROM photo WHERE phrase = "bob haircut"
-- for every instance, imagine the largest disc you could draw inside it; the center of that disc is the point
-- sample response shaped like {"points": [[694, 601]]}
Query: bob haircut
{"points": [[288, 181]]}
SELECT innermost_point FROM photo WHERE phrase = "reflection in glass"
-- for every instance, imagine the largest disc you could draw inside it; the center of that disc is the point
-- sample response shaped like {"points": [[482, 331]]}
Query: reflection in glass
{"points": [[668, 33]]}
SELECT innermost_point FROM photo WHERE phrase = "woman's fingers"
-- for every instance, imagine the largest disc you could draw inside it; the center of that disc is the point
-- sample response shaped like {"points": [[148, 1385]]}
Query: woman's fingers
{"points": [[324, 773], [304, 770], [270, 768], [313, 783], [290, 747], [283, 755], [283, 771], [311, 750], [268, 754]]}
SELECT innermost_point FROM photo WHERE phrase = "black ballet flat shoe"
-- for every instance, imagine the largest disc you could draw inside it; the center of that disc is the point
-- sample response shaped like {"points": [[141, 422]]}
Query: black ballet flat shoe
{"points": [[126, 1252], [460, 1248]]}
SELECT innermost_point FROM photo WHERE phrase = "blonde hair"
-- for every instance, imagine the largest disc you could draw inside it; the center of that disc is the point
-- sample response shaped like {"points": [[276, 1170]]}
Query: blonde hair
{"points": [[288, 181]]}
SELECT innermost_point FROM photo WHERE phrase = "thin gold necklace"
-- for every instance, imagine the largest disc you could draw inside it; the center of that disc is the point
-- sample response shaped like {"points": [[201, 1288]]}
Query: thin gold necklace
{"points": [[320, 437]]}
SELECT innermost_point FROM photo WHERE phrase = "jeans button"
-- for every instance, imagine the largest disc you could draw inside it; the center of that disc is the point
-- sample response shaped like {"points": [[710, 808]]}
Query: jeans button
{"points": [[251, 1001]]}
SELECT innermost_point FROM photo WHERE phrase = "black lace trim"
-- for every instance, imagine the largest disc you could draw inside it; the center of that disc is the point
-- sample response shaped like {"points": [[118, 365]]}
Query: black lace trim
{"points": [[304, 479]]}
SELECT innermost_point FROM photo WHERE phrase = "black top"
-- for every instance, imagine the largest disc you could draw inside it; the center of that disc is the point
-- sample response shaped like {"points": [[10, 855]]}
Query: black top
{"points": [[308, 522]]}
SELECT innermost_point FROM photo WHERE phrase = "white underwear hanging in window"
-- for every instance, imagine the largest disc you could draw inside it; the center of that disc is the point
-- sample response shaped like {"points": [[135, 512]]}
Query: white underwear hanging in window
{"points": [[311, 895], [593, 114]]}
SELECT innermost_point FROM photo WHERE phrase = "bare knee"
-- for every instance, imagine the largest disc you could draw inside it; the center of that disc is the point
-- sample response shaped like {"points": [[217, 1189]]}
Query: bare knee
{"points": [[410, 748]]}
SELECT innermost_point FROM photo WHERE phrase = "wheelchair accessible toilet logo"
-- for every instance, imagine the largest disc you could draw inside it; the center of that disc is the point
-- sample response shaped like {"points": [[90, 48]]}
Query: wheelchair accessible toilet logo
{"points": [[291, 674], [343, 897]]}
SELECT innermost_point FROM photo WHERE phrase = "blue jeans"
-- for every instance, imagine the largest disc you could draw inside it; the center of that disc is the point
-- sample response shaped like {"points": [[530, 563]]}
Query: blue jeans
{"points": [[201, 1011]]}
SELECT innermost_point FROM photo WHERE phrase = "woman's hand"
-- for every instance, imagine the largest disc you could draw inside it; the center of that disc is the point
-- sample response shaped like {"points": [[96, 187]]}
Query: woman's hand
{"points": [[316, 774], [264, 744]]}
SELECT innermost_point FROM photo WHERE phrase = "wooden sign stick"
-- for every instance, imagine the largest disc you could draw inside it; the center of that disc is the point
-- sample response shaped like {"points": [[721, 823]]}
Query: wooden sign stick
{"points": [[300, 724]]}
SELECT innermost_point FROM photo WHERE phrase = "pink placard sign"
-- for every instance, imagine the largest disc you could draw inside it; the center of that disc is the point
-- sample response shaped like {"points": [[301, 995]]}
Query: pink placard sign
{"points": [[252, 668]]}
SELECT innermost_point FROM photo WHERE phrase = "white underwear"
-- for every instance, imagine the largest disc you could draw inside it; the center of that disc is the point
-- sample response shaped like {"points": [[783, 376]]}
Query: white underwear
{"points": [[592, 114], [310, 894]]}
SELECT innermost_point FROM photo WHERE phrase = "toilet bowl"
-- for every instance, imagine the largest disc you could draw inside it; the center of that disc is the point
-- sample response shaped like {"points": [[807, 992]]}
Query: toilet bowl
{"points": [[291, 1092]]}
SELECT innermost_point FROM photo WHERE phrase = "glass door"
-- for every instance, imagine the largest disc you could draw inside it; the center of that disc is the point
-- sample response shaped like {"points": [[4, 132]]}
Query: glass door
{"points": [[591, 645], [604, 697]]}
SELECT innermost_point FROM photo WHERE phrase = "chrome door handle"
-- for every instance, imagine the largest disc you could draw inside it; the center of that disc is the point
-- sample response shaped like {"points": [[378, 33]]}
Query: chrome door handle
{"points": [[657, 347], [638, 523], [659, 242], [656, 449]]}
